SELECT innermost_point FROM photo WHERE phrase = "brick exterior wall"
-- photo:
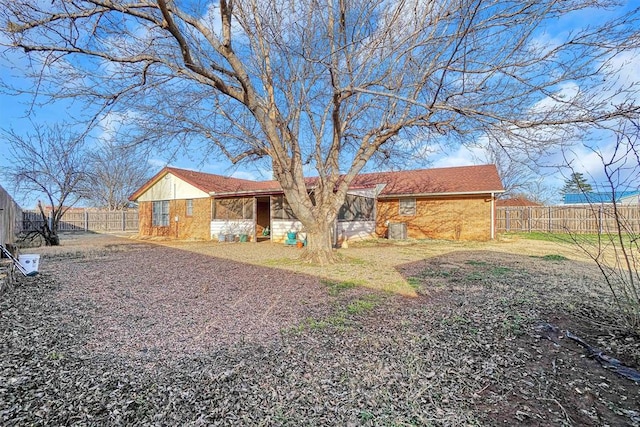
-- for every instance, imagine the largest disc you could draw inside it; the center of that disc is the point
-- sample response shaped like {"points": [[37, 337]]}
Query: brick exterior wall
{"points": [[197, 226], [451, 218]]}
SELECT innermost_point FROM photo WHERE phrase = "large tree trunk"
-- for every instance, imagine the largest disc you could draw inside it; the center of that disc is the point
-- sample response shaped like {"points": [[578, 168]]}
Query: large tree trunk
{"points": [[319, 249]]}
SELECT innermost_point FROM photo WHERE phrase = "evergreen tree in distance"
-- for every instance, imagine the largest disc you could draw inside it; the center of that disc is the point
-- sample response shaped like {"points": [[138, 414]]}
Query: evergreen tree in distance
{"points": [[576, 183]]}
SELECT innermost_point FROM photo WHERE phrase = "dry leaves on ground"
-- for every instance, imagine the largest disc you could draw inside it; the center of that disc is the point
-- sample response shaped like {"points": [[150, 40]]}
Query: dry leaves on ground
{"points": [[147, 335]]}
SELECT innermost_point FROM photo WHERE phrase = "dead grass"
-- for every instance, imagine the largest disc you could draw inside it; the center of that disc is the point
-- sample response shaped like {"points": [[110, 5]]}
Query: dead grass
{"points": [[373, 263], [119, 332]]}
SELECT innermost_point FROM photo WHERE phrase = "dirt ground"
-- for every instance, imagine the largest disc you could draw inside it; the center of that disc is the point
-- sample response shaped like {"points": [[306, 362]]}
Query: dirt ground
{"points": [[372, 264], [118, 331]]}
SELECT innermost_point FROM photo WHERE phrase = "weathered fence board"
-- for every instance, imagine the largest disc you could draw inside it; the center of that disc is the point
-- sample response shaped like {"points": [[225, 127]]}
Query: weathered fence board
{"points": [[87, 220], [10, 218], [594, 219]]}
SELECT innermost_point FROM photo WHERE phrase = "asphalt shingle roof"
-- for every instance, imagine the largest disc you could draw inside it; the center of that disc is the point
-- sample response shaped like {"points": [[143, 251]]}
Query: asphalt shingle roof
{"points": [[461, 179], [451, 180], [220, 184]]}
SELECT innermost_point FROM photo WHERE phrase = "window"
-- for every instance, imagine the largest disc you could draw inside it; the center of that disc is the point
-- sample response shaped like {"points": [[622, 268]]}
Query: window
{"points": [[160, 213], [233, 208], [189, 207], [356, 208], [407, 207]]}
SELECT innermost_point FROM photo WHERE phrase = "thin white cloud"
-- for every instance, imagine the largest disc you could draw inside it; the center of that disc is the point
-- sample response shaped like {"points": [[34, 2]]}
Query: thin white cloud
{"points": [[461, 156], [112, 123], [591, 162], [563, 95], [157, 163], [624, 71], [244, 175]]}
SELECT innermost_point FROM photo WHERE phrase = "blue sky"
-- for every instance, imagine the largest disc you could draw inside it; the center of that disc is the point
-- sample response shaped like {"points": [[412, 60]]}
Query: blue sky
{"points": [[17, 112]]}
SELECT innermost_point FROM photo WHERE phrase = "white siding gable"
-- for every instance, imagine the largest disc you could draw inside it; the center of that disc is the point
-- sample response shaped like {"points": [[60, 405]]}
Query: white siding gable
{"points": [[170, 187]]}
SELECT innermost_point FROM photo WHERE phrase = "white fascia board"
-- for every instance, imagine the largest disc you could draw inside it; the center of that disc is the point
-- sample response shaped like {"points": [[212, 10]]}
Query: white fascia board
{"points": [[462, 193], [244, 193]]}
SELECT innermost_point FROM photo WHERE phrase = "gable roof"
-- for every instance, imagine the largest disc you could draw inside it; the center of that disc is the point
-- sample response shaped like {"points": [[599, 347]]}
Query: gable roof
{"points": [[212, 183], [481, 179], [207, 182]]}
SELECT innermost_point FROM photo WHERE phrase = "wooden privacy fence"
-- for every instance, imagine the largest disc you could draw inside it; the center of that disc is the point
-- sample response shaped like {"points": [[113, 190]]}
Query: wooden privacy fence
{"points": [[86, 220], [588, 219], [10, 218]]}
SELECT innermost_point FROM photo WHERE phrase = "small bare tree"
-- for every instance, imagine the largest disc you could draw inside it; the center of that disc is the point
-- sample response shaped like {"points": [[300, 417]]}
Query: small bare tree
{"points": [[616, 251], [327, 85], [520, 176], [114, 172], [49, 162]]}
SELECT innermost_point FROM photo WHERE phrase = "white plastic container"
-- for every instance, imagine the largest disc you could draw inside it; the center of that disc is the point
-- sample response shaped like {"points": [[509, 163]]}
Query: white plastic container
{"points": [[30, 263]]}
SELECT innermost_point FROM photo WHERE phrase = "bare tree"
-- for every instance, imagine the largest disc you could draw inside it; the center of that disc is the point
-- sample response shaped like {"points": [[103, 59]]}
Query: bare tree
{"points": [[327, 85], [616, 250], [114, 172], [520, 175], [540, 191], [47, 162]]}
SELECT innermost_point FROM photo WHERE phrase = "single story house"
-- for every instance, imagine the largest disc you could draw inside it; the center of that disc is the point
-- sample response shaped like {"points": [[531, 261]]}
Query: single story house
{"points": [[627, 198], [455, 203]]}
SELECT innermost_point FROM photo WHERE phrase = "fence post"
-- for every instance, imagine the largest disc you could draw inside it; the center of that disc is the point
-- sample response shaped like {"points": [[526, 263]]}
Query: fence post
{"points": [[549, 222], [124, 221], [507, 220], [86, 220], [600, 219], [529, 219]]}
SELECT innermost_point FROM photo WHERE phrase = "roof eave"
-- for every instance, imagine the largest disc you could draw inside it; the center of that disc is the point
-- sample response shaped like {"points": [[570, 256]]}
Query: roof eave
{"points": [[245, 193], [385, 196], [458, 193]]}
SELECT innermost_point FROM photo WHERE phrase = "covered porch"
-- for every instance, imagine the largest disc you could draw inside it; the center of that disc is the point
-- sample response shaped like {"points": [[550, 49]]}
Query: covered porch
{"points": [[269, 217]]}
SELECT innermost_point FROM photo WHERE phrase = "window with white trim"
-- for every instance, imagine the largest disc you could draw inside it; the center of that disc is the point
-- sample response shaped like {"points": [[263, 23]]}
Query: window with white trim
{"points": [[160, 213], [189, 207], [407, 207]]}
